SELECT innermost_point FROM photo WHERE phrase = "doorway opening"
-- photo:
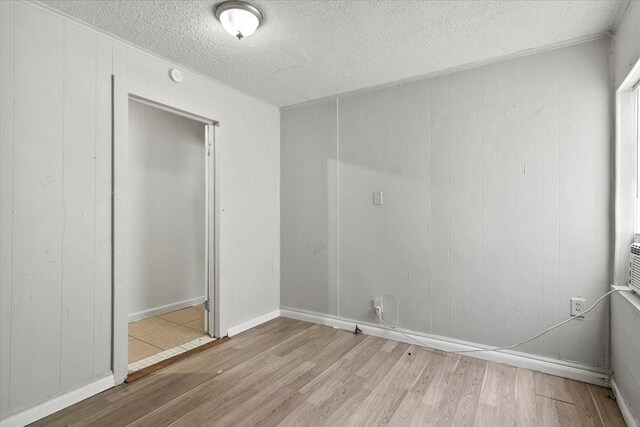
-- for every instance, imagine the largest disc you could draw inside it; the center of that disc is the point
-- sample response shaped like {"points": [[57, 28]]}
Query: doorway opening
{"points": [[169, 292]]}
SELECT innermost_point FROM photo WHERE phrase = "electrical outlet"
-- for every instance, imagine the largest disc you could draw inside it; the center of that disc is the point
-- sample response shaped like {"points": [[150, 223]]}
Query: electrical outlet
{"points": [[377, 198], [578, 306], [377, 305]]}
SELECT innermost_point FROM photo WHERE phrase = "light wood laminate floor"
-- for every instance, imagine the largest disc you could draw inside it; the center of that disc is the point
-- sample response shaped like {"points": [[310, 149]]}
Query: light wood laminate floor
{"points": [[287, 372]]}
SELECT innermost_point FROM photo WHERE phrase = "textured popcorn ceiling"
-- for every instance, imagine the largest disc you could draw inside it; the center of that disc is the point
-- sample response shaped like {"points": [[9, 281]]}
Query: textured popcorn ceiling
{"points": [[312, 49]]}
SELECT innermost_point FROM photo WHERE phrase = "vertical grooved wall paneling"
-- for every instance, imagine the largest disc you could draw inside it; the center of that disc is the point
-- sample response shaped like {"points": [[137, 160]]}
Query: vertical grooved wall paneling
{"points": [[497, 187], [38, 216], [6, 194], [55, 198], [79, 201]]}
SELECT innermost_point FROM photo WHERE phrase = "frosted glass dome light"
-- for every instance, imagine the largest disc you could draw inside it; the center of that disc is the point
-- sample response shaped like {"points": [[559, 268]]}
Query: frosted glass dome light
{"points": [[238, 18]]}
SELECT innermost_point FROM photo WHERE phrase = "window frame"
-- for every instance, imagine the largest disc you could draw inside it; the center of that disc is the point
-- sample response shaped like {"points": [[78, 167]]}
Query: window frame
{"points": [[626, 172], [636, 127]]}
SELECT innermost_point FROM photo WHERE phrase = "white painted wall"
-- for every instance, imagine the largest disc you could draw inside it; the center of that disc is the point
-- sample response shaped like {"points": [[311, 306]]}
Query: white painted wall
{"points": [[626, 42], [55, 146], [625, 316], [167, 182], [625, 348], [497, 195], [309, 209]]}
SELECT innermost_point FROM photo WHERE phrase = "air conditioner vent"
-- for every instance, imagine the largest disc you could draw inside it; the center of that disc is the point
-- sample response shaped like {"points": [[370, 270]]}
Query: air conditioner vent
{"points": [[634, 271]]}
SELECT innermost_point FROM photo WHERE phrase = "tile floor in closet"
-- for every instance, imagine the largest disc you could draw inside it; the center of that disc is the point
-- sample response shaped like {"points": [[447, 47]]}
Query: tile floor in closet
{"points": [[156, 334]]}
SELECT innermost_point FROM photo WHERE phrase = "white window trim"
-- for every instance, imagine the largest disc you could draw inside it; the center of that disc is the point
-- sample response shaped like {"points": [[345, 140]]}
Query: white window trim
{"points": [[636, 115], [626, 154]]}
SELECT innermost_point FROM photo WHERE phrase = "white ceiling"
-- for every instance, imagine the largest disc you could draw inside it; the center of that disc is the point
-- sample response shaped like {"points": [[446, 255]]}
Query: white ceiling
{"points": [[312, 49]]}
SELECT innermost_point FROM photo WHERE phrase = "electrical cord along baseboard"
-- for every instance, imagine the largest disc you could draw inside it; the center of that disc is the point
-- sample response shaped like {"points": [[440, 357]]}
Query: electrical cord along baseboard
{"points": [[508, 347]]}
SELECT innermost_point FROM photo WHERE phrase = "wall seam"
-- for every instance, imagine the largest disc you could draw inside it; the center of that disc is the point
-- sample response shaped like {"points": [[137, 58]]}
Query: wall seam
{"points": [[338, 203], [542, 210], [64, 49], [482, 137], [595, 326], [449, 208], [13, 180], [430, 209], [95, 198], [515, 214]]}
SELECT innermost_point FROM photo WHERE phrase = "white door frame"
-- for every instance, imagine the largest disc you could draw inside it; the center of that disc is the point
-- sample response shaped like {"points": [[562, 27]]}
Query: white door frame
{"points": [[121, 199]]}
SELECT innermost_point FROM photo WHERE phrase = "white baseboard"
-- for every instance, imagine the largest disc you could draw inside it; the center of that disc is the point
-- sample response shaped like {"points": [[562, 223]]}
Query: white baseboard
{"points": [[235, 330], [546, 365], [56, 404], [165, 309], [625, 409]]}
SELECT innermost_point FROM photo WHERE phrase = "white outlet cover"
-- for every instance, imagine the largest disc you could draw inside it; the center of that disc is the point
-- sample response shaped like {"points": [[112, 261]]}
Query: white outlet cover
{"points": [[377, 303], [377, 198], [578, 306]]}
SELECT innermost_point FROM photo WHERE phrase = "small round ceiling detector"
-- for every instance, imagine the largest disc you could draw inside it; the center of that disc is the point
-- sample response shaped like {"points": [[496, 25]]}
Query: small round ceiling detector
{"points": [[238, 18]]}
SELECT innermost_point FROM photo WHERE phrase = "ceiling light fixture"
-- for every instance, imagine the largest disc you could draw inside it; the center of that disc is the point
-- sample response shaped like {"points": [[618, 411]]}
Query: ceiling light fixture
{"points": [[240, 19]]}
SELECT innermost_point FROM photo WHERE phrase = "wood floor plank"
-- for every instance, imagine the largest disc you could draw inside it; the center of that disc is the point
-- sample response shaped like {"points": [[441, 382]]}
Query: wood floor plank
{"points": [[552, 412], [300, 415], [470, 394], [220, 391], [497, 378], [409, 411], [607, 407], [461, 395], [311, 334], [435, 391], [325, 385], [291, 373], [587, 410], [434, 364], [342, 413], [224, 391], [553, 387], [410, 367], [327, 356], [275, 416], [250, 409], [486, 416], [499, 391], [526, 398], [379, 407], [130, 401], [181, 384], [311, 413], [380, 363], [247, 375]]}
